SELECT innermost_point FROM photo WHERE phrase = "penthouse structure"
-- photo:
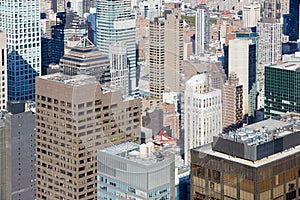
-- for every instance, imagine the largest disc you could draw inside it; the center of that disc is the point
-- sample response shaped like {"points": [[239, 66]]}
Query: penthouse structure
{"points": [[133, 171], [74, 119], [259, 161], [86, 59]]}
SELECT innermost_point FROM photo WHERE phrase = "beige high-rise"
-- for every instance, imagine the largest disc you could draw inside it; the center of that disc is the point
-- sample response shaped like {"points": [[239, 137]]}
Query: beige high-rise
{"points": [[174, 47], [74, 119], [157, 57]]}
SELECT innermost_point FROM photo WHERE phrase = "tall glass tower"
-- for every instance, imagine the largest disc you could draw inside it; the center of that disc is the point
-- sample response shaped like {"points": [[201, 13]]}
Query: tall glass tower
{"points": [[20, 19], [116, 23]]}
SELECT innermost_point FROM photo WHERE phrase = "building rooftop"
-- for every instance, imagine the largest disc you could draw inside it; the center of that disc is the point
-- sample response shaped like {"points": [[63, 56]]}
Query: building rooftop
{"points": [[293, 66], [207, 149], [70, 80], [145, 154]]}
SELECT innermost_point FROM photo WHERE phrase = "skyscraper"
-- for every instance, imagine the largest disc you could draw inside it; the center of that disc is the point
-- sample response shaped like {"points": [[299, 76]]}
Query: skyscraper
{"points": [[269, 42], [157, 58], [74, 119], [3, 70], [86, 59], [251, 14], [242, 61], [173, 47], [118, 66], [116, 23], [202, 113], [202, 35], [21, 22], [282, 89], [232, 96], [17, 157]]}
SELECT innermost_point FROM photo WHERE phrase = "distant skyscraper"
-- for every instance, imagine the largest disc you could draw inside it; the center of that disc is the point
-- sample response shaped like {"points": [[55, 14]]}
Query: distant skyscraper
{"points": [[17, 157], [3, 70], [21, 22], [202, 35], [173, 47], [276, 8], [242, 61], [269, 42], [74, 119], [116, 23], [293, 20], [232, 95], [202, 113], [68, 24], [157, 58], [282, 89], [119, 70], [251, 14], [86, 59], [133, 171]]}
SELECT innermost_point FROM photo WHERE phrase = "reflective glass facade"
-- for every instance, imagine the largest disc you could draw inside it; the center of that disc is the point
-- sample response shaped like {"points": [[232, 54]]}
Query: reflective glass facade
{"points": [[21, 21]]}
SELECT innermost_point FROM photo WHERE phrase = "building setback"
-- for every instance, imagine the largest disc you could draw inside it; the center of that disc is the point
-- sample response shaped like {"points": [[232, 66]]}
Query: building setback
{"points": [[133, 171], [74, 119], [86, 59]]}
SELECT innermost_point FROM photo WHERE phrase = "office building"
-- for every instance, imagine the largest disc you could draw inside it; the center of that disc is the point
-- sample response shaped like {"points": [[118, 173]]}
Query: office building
{"points": [[242, 61], [3, 70], [17, 152], [282, 89], [22, 26], [251, 14], [275, 9], [74, 119], [293, 20], [173, 47], [157, 58], [269, 42], [86, 59], [232, 96], [202, 34], [68, 24], [133, 171], [202, 113], [119, 69], [259, 161], [116, 23]]}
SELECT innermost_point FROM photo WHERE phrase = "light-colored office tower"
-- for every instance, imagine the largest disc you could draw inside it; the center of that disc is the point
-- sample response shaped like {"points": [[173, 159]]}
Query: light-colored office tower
{"points": [[119, 71], [173, 47], [251, 14], [157, 58], [202, 35], [133, 171], [86, 59], [3, 70], [21, 21], [17, 152], [149, 9], [55, 5], [269, 42], [242, 61], [74, 119], [203, 113], [232, 96], [116, 23]]}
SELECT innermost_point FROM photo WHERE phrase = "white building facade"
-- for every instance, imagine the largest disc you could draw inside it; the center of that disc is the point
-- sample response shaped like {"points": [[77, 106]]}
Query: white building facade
{"points": [[203, 113], [3, 71], [202, 35], [251, 14]]}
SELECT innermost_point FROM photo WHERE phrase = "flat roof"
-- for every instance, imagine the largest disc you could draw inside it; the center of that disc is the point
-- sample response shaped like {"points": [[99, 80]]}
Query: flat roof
{"points": [[207, 149], [70, 80], [293, 66]]}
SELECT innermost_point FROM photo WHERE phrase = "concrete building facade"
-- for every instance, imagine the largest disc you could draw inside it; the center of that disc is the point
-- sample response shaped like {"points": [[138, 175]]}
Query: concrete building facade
{"points": [[251, 14], [202, 34], [74, 119], [202, 113], [134, 171]]}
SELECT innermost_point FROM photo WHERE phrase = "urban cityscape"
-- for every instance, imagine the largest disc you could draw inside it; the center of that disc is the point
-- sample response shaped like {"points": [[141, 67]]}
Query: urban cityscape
{"points": [[149, 100]]}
